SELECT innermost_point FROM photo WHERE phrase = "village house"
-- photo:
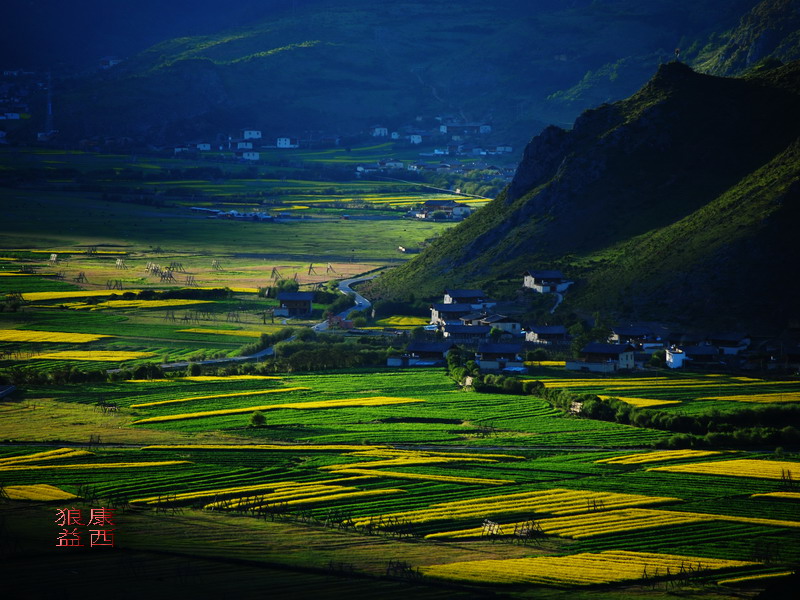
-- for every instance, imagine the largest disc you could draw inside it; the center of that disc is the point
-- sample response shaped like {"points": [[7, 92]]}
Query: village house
{"points": [[251, 134], [379, 131], [203, 146], [450, 208], [422, 354], [477, 299], [503, 323], [414, 138], [465, 334], [603, 358], [392, 163], [248, 155], [547, 334], [638, 336], [545, 282], [244, 145], [449, 313], [287, 142], [294, 304], [473, 318], [730, 343], [698, 355], [498, 357]]}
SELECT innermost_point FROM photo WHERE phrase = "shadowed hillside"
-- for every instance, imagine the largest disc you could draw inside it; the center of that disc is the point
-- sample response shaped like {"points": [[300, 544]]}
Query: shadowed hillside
{"points": [[677, 203]]}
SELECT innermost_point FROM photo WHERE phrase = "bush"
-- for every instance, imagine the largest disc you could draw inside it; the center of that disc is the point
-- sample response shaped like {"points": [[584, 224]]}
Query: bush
{"points": [[257, 419]]}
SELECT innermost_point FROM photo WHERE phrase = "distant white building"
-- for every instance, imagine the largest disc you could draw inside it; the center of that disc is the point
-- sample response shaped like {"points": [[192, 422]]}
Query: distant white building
{"points": [[545, 282], [415, 138], [286, 142], [249, 155], [379, 132], [395, 135], [203, 146], [251, 134], [244, 145]]}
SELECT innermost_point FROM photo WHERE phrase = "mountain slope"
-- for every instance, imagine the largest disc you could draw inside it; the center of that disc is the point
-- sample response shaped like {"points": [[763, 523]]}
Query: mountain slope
{"points": [[344, 65], [693, 175]]}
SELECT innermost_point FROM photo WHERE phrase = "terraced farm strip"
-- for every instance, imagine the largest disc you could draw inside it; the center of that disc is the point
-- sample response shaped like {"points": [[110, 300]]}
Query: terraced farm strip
{"points": [[554, 501], [53, 337], [93, 355], [641, 402], [578, 569], [762, 469], [322, 404], [264, 447], [648, 457], [255, 393], [89, 466], [426, 477], [40, 492], [754, 578], [48, 455]]}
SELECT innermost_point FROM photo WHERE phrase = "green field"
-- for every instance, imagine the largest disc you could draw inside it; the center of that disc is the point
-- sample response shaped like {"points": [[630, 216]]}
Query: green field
{"points": [[372, 473]]}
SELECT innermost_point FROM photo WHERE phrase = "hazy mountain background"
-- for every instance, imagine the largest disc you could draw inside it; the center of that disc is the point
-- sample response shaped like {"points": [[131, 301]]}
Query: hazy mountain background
{"points": [[196, 69]]}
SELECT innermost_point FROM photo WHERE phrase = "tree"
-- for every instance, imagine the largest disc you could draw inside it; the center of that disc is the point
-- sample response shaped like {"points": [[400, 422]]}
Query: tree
{"points": [[257, 419], [438, 215]]}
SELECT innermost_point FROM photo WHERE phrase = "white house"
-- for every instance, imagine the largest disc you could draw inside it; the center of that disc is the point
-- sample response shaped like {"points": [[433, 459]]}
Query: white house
{"points": [[243, 145], [251, 134], [379, 132], [285, 142], [395, 135], [249, 155], [675, 357], [545, 282], [394, 164], [203, 146], [415, 138]]}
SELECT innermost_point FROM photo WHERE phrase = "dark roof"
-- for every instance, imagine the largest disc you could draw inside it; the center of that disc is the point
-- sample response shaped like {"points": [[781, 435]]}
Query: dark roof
{"points": [[498, 319], [496, 348], [599, 348], [455, 307], [701, 350], [307, 296], [545, 274], [632, 330], [429, 347], [734, 337], [465, 293], [473, 329], [473, 316], [549, 329]]}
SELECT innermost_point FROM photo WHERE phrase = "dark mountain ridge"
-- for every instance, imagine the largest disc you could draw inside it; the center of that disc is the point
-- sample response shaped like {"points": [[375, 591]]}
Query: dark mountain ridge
{"points": [[689, 156]]}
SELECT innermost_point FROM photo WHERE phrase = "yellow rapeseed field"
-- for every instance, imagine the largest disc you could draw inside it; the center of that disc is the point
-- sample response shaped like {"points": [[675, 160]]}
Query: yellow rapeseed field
{"points": [[743, 467], [657, 456], [402, 322], [40, 492], [641, 401], [750, 578], [85, 466], [92, 355], [268, 447], [322, 404], [229, 377], [760, 398], [405, 461], [577, 569], [38, 296], [121, 304], [426, 477], [237, 332], [588, 525], [544, 363], [556, 501], [56, 337], [234, 395], [48, 455], [780, 495]]}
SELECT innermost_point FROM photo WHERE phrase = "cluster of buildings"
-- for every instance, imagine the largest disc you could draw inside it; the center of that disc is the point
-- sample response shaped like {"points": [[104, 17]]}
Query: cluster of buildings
{"points": [[467, 318]]}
